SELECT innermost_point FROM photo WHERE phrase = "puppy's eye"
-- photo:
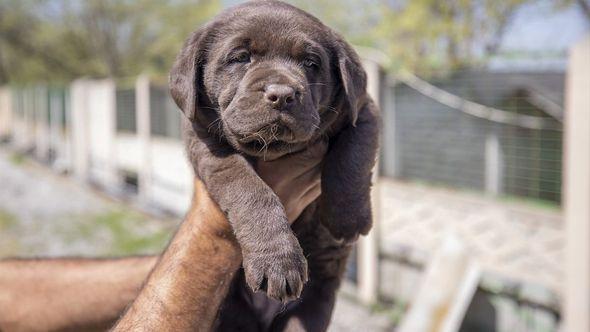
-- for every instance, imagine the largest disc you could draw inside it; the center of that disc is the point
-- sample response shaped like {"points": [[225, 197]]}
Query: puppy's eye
{"points": [[242, 57], [310, 63]]}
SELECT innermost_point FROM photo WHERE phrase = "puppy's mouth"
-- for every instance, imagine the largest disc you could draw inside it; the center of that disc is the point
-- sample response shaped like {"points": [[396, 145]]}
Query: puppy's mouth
{"points": [[270, 137]]}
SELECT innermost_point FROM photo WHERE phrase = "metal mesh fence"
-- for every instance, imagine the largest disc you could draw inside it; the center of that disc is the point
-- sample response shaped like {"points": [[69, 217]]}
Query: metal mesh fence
{"points": [[439, 132], [125, 110], [57, 101], [165, 116]]}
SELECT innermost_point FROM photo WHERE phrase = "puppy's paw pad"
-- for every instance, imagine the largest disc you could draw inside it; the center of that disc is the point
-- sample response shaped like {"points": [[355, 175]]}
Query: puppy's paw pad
{"points": [[348, 227]]}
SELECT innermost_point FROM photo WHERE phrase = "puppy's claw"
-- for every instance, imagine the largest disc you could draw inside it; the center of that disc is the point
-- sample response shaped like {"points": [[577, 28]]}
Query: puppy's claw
{"points": [[254, 279], [285, 273], [295, 284]]}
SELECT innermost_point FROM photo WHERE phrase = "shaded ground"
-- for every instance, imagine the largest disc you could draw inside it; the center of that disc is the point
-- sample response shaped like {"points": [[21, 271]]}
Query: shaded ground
{"points": [[47, 215]]}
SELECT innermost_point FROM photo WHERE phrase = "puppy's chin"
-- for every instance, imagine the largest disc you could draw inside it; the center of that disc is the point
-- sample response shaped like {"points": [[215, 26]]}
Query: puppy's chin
{"points": [[268, 151], [268, 147], [269, 142]]}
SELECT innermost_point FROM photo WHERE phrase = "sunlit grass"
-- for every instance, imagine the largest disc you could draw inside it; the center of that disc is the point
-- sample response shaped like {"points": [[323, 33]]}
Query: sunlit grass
{"points": [[9, 245], [17, 159], [123, 232], [7, 220]]}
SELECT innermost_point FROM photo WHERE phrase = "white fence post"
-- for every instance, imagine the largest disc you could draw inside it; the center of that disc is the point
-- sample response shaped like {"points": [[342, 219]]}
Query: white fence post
{"points": [[142, 111], [494, 165], [577, 189], [368, 246], [390, 161], [79, 129], [102, 122]]}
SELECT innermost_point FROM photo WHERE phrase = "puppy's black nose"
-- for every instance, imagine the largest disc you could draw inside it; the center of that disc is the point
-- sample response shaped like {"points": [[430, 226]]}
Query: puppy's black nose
{"points": [[279, 95]]}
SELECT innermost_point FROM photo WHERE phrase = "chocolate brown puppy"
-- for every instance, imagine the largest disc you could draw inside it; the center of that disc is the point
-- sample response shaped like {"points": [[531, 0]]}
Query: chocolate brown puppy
{"points": [[261, 80]]}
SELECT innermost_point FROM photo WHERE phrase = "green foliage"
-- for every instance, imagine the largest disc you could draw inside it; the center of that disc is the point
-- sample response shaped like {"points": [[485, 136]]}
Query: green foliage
{"points": [[423, 36], [59, 40]]}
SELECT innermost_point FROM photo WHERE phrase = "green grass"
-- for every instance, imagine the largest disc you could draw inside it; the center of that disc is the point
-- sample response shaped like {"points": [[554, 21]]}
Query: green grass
{"points": [[505, 198], [9, 244], [124, 226], [532, 202], [125, 229], [7, 220], [17, 159]]}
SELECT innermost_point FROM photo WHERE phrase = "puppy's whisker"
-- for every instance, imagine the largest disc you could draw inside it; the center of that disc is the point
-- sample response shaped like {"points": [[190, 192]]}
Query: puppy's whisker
{"points": [[333, 110], [216, 122]]}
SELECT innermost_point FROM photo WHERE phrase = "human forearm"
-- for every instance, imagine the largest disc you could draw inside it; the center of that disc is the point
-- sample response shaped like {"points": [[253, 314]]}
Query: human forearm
{"points": [[60, 294], [184, 291]]}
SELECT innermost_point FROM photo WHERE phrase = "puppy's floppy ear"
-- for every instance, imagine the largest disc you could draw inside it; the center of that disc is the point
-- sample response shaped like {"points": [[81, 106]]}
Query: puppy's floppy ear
{"points": [[186, 73], [352, 76]]}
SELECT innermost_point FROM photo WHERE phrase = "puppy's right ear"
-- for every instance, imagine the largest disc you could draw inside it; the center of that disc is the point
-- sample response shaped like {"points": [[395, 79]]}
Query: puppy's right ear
{"points": [[186, 74]]}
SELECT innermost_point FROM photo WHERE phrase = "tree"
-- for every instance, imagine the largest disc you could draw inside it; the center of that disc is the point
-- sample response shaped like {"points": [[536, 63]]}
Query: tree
{"points": [[424, 36], [431, 35], [62, 39]]}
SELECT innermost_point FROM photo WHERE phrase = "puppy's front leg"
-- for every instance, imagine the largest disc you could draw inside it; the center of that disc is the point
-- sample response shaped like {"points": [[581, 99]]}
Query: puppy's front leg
{"points": [[345, 203], [272, 256]]}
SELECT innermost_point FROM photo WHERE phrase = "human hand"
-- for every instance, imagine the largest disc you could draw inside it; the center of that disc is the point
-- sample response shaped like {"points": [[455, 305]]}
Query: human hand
{"points": [[295, 178]]}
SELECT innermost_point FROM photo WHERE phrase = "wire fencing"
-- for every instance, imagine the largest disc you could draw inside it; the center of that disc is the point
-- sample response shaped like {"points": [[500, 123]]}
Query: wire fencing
{"points": [[497, 132]]}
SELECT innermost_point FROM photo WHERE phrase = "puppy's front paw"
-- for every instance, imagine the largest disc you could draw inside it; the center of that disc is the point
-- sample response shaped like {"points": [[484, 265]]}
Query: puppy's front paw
{"points": [[279, 268], [347, 222]]}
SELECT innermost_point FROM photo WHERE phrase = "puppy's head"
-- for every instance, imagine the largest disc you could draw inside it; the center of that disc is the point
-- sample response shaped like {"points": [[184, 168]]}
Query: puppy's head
{"points": [[264, 75]]}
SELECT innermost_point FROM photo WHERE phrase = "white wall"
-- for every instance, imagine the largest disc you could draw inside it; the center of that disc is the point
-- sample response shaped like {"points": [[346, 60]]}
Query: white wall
{"points": [[127, 152], [172, 176]]}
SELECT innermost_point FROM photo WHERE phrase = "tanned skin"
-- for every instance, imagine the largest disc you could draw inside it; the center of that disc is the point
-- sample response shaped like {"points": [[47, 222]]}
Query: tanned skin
{"points": [[68, 294], [183, 292]]}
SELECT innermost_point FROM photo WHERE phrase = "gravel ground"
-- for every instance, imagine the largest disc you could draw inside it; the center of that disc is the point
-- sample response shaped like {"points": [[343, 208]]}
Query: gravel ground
{"points": [[48, 215], [43, 214]]}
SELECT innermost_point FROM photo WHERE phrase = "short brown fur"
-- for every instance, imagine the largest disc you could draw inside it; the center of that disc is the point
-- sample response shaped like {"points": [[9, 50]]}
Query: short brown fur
{"points": [[222, 80]]}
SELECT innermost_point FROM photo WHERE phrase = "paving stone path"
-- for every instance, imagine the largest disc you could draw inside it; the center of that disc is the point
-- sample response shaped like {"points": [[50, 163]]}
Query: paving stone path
{"points": [[517, 240]]}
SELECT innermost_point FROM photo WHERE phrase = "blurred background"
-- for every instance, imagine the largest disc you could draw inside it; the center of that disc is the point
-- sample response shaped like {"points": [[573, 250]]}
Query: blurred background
{"points": [[471, 223]]}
